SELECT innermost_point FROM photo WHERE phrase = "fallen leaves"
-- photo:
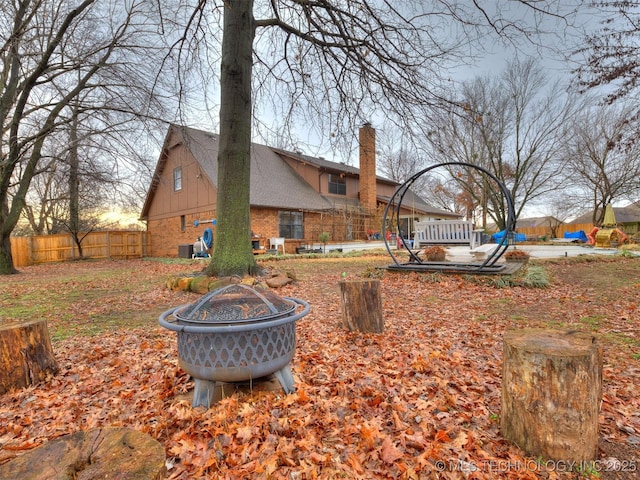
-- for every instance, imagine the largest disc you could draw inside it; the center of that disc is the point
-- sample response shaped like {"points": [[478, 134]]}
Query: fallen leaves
{"points": [[389, 453], [417, 401]]}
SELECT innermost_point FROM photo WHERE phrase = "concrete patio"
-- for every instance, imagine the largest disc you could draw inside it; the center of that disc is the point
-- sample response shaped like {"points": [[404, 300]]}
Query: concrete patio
{"points": [[463, 253]]}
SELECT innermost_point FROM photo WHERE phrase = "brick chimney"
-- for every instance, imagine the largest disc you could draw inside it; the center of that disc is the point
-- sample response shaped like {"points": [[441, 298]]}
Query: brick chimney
{"points": [[367, 139]]}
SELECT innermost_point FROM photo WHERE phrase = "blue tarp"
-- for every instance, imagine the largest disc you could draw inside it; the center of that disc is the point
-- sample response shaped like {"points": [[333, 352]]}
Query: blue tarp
{"points": [[579, 235], [512, 237]]}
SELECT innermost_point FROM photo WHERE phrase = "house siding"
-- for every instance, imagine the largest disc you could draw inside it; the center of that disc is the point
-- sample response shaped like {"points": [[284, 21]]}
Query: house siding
{"points": [[171, 214], [319, 180], [265, 224], [195, 201], [197, 193], [309, 173], [168, 236]]}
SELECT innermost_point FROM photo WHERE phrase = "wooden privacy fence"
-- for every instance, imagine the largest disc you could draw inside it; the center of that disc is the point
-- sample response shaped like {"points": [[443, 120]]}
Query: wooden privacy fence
{"points": [[118, 244], [545, 230]]}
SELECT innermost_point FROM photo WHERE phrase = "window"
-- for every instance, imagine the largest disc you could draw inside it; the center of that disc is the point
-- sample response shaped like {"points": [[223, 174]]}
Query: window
{"points": [[337, 184], [177, 179], [290, 225], [183, 223]]}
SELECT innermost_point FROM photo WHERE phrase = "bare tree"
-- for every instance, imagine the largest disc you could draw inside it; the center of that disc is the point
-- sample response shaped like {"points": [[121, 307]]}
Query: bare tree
{"points": [[400, 163], [610, 56], [52, 54], [602, 169], [400, 159], [562, 205], [514, 126], [42, 200]]}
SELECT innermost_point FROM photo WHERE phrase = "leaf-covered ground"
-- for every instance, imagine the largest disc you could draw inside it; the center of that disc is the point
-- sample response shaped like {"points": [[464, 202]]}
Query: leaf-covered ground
{"points": [[420, 401]]}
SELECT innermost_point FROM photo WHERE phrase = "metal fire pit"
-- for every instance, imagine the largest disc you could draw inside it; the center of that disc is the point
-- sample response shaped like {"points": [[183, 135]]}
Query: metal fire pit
{"points": [[234, 334]]}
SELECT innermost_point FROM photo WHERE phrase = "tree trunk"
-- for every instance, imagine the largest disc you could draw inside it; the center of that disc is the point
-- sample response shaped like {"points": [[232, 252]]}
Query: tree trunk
{"points": [[551, 392], [6, 258], [233, 253], [74, 178], [100, 453], [26, 356], [362, 306]]}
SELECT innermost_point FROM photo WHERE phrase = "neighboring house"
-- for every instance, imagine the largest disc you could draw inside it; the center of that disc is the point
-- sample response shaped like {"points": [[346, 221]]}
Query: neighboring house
{"points": [[534, 222], [292, 195], [627, 218]]}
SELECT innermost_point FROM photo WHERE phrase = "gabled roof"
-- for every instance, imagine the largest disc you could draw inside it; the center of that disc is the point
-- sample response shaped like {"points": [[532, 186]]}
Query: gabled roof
{"points": [[328, 165], [413, 202], [273, 183], [628, 214], [537, 222]]}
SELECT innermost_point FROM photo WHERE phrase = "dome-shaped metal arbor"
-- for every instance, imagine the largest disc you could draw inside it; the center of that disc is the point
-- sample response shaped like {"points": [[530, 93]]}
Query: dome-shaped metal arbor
{"points": [[415, 263]]}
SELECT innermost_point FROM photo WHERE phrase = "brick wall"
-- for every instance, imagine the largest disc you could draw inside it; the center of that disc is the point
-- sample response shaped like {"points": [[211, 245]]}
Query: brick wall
{"points": [[367, 138], [264, 222], [167, 235]]}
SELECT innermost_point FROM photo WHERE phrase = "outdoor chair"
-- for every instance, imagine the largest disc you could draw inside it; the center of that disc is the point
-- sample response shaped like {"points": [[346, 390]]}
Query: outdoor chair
{"points": [[276, 242]]}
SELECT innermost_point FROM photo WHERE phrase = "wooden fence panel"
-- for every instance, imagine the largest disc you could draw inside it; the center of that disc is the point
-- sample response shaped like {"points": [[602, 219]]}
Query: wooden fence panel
{"points": [[127, 244], [121, 244], [533, 232], [96, 245], [51, 248], [20, 251]]}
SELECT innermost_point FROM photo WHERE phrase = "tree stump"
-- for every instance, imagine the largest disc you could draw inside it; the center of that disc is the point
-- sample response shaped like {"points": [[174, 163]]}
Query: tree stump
{"points": [[26, 356], [551, 392], [106, 453], [362, 306]]}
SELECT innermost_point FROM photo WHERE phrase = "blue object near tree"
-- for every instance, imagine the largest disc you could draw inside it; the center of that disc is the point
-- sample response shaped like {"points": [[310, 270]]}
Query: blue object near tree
{"points": [[511, 237], [207, 238], [579, 235]]}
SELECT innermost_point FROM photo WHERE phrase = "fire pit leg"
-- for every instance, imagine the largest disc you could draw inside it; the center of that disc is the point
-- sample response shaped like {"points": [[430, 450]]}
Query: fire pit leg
{"points": [[285, 378], [203, 393]]}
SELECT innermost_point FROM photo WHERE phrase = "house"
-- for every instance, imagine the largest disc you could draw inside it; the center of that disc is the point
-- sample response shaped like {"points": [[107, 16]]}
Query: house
{"points": [[627, 218], [292, 195], [534, 222]]}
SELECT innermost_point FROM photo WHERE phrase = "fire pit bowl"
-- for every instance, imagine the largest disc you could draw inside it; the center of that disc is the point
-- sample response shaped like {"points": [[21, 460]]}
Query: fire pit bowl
{"points": [[234, 334]]}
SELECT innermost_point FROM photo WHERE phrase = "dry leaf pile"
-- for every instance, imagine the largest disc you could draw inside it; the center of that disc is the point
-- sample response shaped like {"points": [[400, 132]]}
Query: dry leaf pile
{"points": [[419, 401]]}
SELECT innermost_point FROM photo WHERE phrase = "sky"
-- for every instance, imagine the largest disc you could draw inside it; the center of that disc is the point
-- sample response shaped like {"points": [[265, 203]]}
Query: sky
{"points": [[552, 51], [487, 57]]}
